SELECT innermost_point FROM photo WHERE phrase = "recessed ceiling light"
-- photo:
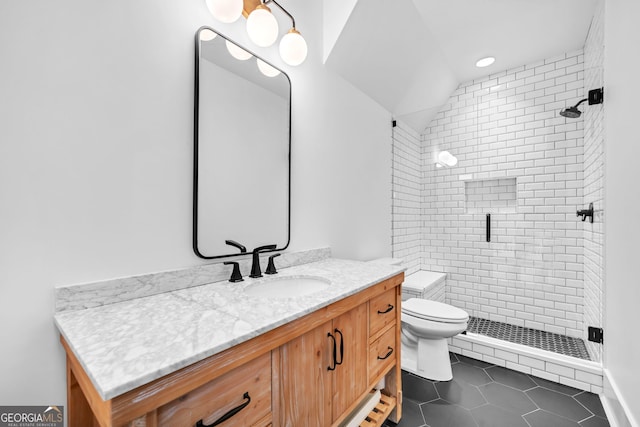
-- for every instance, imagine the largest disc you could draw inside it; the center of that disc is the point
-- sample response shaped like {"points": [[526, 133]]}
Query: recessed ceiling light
{"points": [[485, 62]]}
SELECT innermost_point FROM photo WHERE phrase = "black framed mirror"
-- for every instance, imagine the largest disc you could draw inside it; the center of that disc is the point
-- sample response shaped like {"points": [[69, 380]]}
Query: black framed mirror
{"points": [[242, 149]]}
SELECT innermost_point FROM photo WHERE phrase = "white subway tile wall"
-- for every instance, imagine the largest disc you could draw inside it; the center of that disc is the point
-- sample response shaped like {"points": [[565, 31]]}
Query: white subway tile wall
{"points": [[593, 180], [543, 267], [407, 200], [490, 196], [506, 126]]}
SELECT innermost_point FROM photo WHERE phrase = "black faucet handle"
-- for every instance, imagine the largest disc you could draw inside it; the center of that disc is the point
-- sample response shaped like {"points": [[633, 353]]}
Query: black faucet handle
{"points": [[264, 248], [237, 245], [236, 276], [271, 267]]}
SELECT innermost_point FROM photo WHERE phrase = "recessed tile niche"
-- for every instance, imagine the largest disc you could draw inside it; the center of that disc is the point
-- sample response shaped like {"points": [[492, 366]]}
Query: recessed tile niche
{"points": [[491, 196]]}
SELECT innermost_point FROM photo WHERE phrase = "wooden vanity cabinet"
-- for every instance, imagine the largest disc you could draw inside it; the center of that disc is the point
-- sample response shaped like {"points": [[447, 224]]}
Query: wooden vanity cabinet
{"points": [[241, 397], [280, 378], [303, 380], [350, 376], [384, 339], [324, 371]]}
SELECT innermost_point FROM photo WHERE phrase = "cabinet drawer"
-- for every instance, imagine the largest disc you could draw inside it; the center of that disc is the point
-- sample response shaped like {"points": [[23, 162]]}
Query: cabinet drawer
{"points": [[382, 353], [382, 311], [247, 387]]}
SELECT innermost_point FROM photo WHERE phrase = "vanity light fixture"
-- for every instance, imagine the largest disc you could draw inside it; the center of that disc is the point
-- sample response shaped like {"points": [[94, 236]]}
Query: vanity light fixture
{"points": [[485, 62], [445, 158], [262, 26], [293, 48]]}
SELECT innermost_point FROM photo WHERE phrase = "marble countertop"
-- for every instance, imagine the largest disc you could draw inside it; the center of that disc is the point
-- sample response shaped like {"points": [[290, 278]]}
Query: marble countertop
{"points": [[127, 344]]}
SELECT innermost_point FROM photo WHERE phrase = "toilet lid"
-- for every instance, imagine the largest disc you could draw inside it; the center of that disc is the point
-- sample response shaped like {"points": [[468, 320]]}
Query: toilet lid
{"points": [[434, 310]]}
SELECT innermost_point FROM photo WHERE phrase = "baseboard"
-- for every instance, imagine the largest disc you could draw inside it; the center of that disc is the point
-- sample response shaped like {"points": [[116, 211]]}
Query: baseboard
{"points": [[615, 406]]}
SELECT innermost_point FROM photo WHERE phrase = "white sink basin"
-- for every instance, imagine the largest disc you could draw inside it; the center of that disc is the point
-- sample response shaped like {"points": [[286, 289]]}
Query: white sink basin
{"points": [[287, 287]]}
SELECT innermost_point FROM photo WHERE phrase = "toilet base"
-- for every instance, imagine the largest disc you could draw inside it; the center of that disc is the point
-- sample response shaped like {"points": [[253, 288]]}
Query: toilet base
{"points": [[428, 359]]}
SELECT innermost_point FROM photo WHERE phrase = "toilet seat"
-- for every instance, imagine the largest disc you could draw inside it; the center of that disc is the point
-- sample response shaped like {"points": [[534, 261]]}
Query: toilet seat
{"points": [[434, 311]]}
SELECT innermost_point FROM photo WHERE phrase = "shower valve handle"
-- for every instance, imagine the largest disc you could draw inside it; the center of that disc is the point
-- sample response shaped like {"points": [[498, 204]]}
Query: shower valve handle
{"points": [[584, 213]]}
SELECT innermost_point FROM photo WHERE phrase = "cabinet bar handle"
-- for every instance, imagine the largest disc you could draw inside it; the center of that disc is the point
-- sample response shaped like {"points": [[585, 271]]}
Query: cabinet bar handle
{"points": [[387, 310], [386, 356], [229, 414], [329, 368], [337, 331]]}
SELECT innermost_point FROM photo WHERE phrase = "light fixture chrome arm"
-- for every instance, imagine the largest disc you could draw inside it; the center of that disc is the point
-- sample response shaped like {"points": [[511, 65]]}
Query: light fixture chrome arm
{"points": [[293, 21]]}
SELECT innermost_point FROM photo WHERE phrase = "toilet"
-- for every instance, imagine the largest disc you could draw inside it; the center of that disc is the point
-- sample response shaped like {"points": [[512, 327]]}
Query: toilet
{"points": [[426, 326]]}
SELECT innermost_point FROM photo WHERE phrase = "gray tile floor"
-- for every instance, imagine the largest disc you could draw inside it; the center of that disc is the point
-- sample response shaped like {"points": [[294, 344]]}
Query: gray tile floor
{"points": [[485, 395]]}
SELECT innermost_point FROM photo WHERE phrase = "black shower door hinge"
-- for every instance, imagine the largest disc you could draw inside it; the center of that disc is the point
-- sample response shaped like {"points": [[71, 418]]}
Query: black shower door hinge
{"points": [[596, 334]]}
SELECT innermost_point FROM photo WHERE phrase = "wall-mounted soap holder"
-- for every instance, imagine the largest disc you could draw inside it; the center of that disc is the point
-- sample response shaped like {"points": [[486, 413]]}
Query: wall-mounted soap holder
{"points": [[586, 213]]}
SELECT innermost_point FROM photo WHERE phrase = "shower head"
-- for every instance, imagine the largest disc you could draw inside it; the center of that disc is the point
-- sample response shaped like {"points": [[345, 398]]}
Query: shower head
{"points": [[572, 112], [596, 96]]}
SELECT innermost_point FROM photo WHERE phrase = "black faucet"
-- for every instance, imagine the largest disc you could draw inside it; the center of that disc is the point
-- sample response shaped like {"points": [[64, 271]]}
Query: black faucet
{"points": [[255, 265], [236, 276]]}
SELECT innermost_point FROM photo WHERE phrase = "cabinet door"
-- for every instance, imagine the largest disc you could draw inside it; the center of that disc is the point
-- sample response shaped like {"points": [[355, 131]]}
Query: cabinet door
{"points": [[350, 377], [304, 380]]}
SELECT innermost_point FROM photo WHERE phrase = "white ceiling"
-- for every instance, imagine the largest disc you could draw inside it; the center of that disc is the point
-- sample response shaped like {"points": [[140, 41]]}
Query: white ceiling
{"points": [[410, 55]]}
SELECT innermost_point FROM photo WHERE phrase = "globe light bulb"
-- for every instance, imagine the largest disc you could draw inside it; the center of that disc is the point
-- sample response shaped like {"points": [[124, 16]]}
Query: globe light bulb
{"points": [[262, 26], [445, 158], [267, 69], [238, 52], [293, 48], [226, 11]]}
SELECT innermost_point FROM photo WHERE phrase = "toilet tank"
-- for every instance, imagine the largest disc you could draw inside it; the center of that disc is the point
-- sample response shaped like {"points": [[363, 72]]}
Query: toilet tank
{"points": [[421, 284], [424, 284]]}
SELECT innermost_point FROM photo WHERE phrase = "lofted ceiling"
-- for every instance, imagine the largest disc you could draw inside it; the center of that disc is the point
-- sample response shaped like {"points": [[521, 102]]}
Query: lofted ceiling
{"points": [[410, 55]]}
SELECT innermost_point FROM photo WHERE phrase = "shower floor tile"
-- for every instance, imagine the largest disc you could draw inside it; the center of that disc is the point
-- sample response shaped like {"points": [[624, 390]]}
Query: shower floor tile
{"points": [[556, 343], [481, 394]]}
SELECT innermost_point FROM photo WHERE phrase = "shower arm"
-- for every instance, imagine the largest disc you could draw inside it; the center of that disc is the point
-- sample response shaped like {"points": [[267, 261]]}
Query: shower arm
{"points": [[581, 101]]}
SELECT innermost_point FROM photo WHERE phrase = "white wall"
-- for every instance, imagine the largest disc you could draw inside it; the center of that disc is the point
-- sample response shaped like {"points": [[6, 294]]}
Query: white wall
{"points": [[622, 201], [95, 160]]}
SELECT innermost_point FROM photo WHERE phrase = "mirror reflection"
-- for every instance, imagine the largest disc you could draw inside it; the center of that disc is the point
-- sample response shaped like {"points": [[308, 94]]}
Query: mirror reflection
{"points": [[241, 149]]}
